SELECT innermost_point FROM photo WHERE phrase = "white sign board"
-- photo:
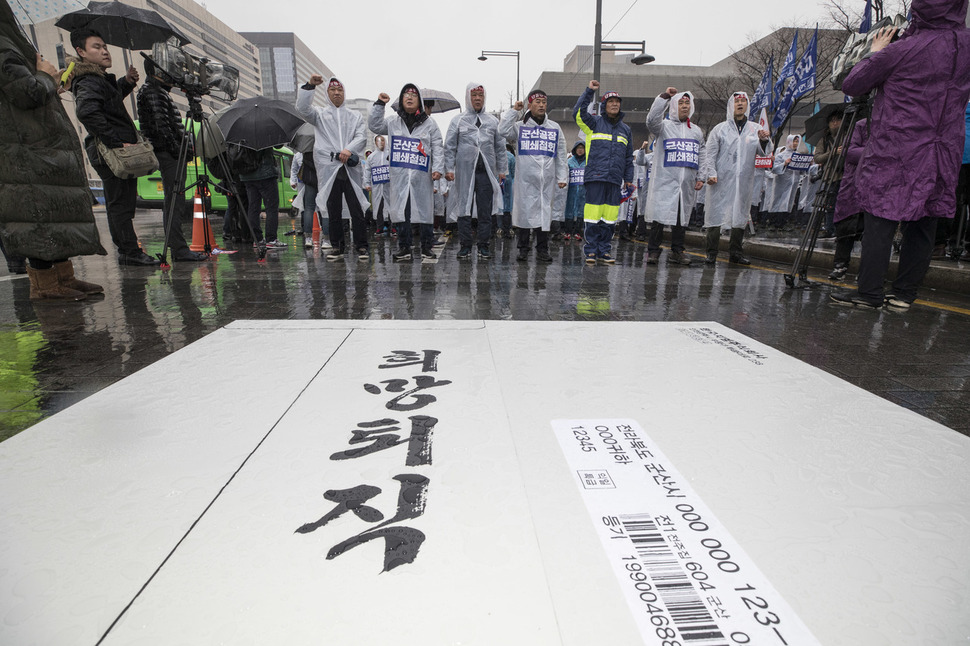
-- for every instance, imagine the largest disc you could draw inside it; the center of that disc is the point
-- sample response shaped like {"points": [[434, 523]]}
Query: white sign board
{"points": [[414, 483]]}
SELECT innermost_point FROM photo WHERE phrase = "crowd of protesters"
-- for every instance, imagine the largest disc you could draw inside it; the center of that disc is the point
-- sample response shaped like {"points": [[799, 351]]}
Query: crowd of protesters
{"points": [[510, 176]]}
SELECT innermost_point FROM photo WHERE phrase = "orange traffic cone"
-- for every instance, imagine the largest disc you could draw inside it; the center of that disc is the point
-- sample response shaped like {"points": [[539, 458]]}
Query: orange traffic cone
{"points": [[201, 227], [316, 229]]}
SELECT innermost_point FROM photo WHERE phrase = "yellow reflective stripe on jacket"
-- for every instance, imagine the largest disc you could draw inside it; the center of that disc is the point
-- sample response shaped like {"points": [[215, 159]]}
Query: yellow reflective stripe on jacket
{"points": [[607, 137], [609, 213], [582, 124]]}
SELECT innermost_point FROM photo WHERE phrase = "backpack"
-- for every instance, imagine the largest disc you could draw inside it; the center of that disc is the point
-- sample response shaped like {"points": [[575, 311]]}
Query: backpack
{"points": [[243, 161]]}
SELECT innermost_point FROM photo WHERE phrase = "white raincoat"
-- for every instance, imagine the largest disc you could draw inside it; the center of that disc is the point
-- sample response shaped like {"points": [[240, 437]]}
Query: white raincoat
{"points": [[463, 144], [336, 129], [559, 203], [414, 156], [376, 168], [540, 164], [678, 154], [730, 158], [643, 163], [780, 194]]}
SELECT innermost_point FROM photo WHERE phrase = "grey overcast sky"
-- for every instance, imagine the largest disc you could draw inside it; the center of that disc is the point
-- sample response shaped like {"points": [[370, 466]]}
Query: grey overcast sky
{"points": [[378, 45]]}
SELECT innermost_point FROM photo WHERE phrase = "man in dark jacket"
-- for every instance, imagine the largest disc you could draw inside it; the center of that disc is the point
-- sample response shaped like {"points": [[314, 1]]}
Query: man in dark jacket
{"points": [[99, 104], [609, 167], [161, 124], [45, 202]]}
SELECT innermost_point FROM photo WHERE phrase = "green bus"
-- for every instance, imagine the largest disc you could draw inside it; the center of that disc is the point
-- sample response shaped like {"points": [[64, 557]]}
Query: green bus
{"points": [[151, 195]]}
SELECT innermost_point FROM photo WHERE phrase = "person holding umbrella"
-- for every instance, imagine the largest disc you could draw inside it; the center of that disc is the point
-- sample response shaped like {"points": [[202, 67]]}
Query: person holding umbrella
{"points": [[340, 140], [99, 105], [416, 162]]}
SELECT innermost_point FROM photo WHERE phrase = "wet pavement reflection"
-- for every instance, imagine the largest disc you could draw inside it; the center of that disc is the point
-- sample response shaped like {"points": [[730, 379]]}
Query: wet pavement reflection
{"points": [[53, 355]]}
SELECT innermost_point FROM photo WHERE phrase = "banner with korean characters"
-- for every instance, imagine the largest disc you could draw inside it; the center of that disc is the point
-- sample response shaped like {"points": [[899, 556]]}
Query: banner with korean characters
{"points": [[685, 578], [801, 162]]}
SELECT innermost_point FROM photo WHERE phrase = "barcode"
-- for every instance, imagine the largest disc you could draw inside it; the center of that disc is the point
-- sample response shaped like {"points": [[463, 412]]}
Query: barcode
{"points": [[688, 612]]}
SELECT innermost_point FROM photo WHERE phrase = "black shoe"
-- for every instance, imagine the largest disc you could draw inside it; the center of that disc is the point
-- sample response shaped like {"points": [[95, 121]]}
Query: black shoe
{"points": [[140, 258], [839, 271], [428, 254], [336, 254], [678, 258], [854, 299], [484, 253], [653, 257], [187, 255], [543, 256], [363, 254], [402, 254], [523, 256], [710, 259], [739, 259], [464, 253]]}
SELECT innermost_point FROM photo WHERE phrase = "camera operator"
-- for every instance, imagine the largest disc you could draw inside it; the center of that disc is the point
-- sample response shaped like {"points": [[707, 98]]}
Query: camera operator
{"points": [[908, 171], [161, 123], [99, 102]]}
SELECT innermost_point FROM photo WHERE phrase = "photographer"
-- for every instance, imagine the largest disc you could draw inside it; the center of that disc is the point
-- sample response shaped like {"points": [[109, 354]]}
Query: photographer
{"points": [[908, 172], [99, 102], [41, 166], [161, 123]]}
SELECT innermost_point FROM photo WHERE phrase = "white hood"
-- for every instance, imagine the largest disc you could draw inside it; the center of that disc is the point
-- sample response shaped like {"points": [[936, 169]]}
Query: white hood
{"points": [[730, 104], [468, 97], [674, 101]]}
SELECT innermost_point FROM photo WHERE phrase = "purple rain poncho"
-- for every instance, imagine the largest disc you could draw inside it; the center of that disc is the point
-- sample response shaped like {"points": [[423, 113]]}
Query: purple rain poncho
{"points": [[909, 167]]}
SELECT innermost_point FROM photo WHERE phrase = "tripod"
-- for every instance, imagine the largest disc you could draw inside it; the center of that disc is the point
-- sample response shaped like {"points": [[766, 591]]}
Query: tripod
{"points": [[202, 182], [826, 196]]}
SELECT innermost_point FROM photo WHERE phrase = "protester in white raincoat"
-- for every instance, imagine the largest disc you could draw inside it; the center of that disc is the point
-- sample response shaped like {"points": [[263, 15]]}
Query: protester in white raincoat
{"points": [[475, 161], [376, 180], [416, 162], [540, 166], [811, 182], [780, 195], [678, 154], [340, 137], [731, 148], [643, 163]]}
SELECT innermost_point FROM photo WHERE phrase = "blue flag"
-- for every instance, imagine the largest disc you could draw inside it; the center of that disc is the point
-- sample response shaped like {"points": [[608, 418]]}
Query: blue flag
{"points": [[866, 23], [788, 68], [762, 96], [805, 72]]}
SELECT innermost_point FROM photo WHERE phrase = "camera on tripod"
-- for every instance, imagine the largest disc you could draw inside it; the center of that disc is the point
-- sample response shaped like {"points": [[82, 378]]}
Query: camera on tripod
{"points": [[193, 75], [859, 45]]}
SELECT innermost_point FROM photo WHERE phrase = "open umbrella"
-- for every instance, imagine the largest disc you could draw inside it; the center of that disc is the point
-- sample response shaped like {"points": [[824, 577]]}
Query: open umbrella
{"points": [[31, 12], [440, 101], [260, 122], [123, 25], [304, 139], [818, 124]]}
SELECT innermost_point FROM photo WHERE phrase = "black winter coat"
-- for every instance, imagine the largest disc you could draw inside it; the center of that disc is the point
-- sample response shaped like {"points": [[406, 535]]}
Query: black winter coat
{"points": [[45, 201], [159, 119], [99, 102]]}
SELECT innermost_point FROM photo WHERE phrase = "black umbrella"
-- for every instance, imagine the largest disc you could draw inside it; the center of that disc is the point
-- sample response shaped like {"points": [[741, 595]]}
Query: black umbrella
{"points": [[122, 25], [260, 122], [818, 124]]}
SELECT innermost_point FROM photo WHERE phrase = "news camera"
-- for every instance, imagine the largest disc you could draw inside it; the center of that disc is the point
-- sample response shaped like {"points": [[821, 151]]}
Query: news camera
{"points": [[194, 75], [857, 46]]}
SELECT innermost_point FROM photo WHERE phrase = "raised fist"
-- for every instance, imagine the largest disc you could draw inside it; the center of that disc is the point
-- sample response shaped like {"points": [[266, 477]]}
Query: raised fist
{"points": [[518, 106], [383, 96], [594, 85], [316, 79]]}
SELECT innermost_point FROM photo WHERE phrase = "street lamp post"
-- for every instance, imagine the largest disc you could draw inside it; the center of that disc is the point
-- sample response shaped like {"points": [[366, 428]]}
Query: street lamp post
{"points": [[487, 53], [616, 46]]}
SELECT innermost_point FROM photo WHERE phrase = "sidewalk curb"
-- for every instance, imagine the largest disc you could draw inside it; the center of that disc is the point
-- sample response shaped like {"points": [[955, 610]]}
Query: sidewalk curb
{"points": [[943, 274]]}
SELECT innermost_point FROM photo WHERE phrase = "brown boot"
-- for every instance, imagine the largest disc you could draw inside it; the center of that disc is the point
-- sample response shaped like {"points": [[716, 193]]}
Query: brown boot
{"points": [[44, 286], [65, 276]]}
